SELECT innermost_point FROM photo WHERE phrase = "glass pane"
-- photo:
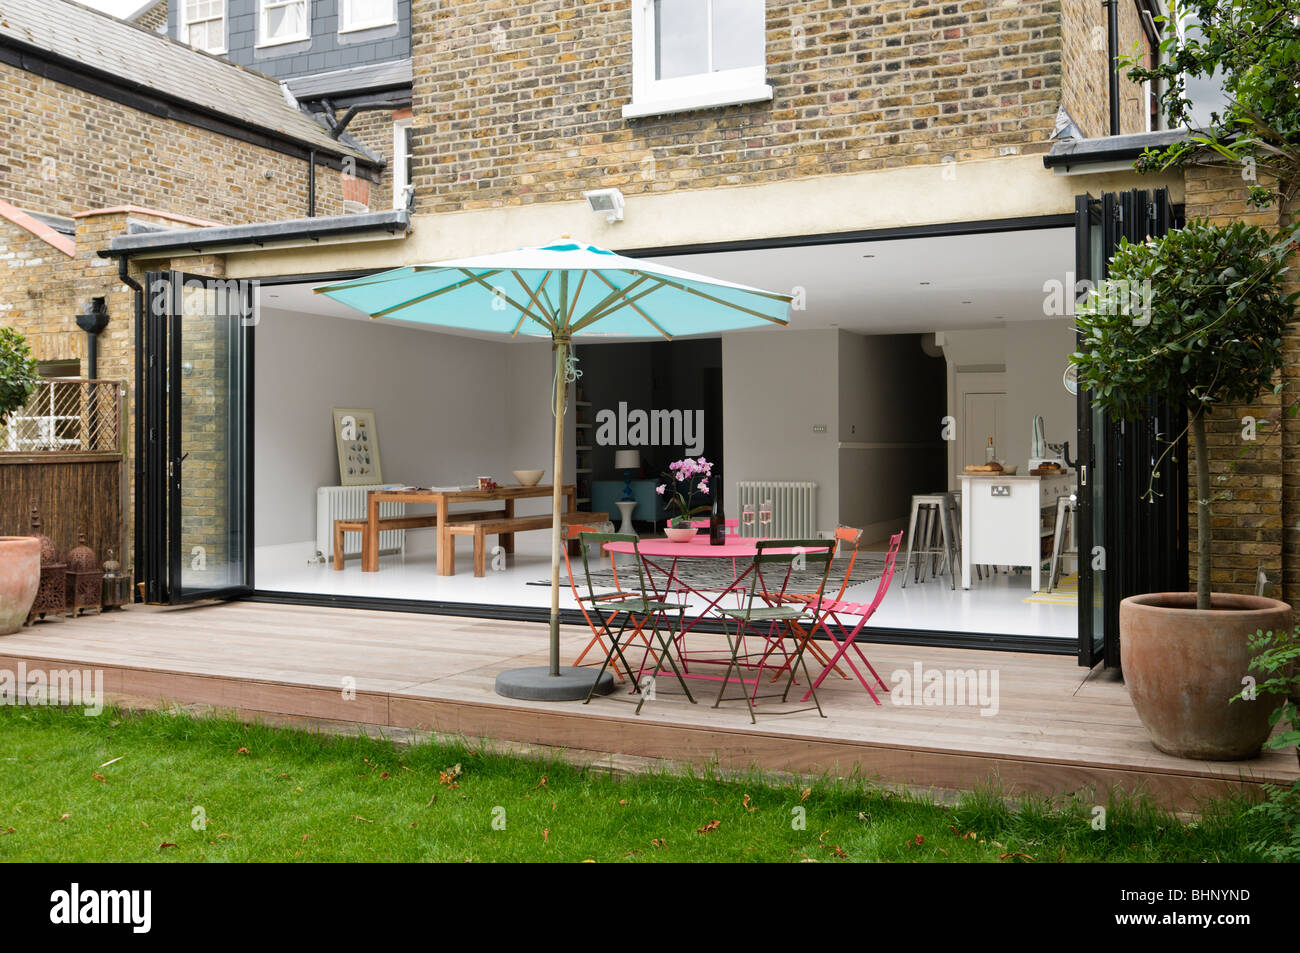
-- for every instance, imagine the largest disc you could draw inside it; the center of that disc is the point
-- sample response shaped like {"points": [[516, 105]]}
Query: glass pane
{"points": [[358, 12], [738, 34], [681, 38], [1097, 489], [284, 21], [213, 433]]}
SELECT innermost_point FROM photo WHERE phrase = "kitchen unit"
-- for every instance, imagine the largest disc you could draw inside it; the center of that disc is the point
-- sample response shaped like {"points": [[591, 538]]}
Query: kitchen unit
{"points": [[1004, 519]]}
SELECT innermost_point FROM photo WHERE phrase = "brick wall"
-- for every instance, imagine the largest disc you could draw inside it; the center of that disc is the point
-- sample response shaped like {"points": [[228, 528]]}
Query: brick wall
{"points": [[374, 130], [533, 114], [1086, 56], [63, 151], [155, 18], [1260, 485]]}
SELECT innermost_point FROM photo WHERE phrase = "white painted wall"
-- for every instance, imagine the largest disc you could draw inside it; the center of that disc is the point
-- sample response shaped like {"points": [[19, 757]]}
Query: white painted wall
{"points": [[776, 386], [448, 410], [1037, 354]]}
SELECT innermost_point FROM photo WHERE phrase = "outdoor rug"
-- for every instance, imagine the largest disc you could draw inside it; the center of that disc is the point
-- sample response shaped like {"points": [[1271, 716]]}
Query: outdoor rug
{"points": [[1066, 592]]}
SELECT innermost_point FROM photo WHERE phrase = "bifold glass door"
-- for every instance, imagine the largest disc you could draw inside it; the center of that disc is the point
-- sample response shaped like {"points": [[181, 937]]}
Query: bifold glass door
{"points": [[1132, 511], [196, 400]]}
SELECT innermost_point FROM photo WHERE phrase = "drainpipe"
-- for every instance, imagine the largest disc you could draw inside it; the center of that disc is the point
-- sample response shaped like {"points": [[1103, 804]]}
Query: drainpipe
{"points": [[311, 184], [93, 320], [1112, 60]]}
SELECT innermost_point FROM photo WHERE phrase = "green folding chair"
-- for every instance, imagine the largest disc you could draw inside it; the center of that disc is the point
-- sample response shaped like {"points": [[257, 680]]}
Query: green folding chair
{"points": [[776, 563], [638, 608]]}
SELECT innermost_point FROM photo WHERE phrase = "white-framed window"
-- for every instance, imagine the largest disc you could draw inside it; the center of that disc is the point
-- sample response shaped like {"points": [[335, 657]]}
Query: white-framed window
{"points": [[366, 14], [283, 21], [693, 54], [203, 24], [403, 160]]}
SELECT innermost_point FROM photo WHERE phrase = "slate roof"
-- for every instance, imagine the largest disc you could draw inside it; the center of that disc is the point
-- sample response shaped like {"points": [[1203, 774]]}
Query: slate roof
{"points": [[95, 42]]}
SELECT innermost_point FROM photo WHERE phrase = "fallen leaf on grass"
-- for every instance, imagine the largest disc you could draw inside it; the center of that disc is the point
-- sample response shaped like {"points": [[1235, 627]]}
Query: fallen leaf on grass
{"points": [[659, 844], [540, 784], [805, 794], [64, 817], [165, 844], [383, 775], [449, 776], [431, 800], [114, 761], [546, 835], [745, 802], [99, 777], [304, 837], [623, 803], [358, 817], [242, 751], [711, 826], [1013, 854], [8, 830]]}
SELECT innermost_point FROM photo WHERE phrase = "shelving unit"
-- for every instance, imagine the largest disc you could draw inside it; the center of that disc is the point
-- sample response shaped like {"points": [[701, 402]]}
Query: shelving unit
{"points": [[584, 429]]}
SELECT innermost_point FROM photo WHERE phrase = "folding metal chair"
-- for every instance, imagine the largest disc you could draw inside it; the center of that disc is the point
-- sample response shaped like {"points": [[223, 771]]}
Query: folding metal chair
{"points": [[599, 632], [766, 605], [637, 609], [834, 608]]}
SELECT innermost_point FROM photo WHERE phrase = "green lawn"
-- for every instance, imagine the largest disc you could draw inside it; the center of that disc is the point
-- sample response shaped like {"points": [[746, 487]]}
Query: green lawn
{"points": [[133, 787]]}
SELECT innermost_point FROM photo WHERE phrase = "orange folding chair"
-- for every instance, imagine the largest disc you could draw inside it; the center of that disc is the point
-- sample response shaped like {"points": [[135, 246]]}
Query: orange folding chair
{"points": [[848, 538], [600, 628]]}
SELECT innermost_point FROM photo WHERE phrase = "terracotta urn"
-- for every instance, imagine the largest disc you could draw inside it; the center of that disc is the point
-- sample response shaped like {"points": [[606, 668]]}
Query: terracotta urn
{"points": [[1182, 666], [20, 576]]}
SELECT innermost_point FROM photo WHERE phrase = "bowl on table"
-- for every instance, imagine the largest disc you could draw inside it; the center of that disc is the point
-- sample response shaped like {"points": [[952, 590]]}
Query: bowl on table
{"points": [[680, 534], [528, 477]]}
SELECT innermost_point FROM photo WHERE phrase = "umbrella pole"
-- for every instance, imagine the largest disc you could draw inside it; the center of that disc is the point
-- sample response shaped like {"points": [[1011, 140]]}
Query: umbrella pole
{"points": [[557, 472], [550, 682]]}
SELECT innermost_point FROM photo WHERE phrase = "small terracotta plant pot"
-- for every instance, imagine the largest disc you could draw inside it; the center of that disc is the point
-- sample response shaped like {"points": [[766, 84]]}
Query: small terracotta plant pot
{"points": [[20, 577], [1182, 666]]}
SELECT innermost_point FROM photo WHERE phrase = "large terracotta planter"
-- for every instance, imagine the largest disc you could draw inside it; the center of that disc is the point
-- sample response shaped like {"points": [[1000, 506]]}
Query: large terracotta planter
{"points": [[20, 576], [1182, 666]]}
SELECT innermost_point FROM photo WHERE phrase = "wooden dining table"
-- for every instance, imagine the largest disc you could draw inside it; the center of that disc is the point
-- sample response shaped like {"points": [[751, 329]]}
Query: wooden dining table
{"points": [[443, 500]]}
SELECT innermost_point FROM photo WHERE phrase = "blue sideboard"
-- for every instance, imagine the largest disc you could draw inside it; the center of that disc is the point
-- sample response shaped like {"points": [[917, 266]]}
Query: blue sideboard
{"points": [[650, 506]]}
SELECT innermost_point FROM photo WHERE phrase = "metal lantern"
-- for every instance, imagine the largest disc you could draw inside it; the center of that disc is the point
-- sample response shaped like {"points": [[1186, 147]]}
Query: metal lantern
{"points": [[84, 578], [115, 591], [52, 595]]}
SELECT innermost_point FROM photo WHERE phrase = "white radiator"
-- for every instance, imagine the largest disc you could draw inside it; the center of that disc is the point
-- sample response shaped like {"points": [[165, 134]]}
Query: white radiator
{"points": [[349, 503], [794, 508]]}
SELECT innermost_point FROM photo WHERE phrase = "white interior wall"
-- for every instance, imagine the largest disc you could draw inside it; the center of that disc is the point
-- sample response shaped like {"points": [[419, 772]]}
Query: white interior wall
{"points": [[448, 409], [1027, 359], [776, 387]]}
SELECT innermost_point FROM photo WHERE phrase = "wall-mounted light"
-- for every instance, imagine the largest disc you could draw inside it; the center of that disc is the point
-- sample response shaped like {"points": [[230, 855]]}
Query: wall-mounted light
{"points": [[608, 202]]}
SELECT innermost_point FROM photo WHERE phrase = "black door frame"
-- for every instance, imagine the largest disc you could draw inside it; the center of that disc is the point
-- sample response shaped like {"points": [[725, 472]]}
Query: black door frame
{"points": [[160, 416]]}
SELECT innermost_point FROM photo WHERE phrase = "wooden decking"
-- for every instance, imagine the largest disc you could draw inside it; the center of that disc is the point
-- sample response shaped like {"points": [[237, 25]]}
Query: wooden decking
{"points": [[1057, 730]]}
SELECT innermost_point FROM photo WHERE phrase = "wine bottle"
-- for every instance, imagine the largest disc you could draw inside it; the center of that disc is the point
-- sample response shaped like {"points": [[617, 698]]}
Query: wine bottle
{"points": [[988, 453], [717, 523]]}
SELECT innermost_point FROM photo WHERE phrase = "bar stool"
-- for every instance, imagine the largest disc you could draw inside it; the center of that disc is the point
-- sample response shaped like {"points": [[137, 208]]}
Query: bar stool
{"points": [[956, 532], [1066, 506], [930, 536]]}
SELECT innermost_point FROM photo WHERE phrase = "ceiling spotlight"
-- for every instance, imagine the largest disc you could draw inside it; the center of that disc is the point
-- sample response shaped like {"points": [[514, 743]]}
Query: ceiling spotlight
{"points": [[608, 202]]}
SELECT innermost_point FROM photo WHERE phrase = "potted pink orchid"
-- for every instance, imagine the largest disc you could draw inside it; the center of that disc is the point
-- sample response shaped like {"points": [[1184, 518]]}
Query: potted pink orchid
{"points": [[685, 478]]}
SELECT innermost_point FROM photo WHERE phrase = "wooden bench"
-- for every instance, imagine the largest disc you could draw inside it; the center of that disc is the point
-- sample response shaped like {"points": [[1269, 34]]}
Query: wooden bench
{"points": [[481, 529], [422, 521]]}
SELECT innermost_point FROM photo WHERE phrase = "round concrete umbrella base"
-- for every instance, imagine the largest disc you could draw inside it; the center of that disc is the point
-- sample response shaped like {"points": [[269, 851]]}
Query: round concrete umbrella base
{"points": [[539, 685]]}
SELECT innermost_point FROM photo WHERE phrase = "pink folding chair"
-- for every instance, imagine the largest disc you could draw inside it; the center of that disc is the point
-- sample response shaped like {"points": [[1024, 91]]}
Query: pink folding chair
{"points": [[833, 609]]}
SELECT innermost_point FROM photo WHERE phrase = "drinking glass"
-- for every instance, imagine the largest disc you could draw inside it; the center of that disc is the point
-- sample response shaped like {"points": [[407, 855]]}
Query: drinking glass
{"points": [[764, 518], [747, 520]]}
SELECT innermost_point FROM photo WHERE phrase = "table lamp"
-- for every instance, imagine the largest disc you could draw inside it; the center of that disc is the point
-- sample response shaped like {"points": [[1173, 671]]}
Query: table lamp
{"points": [[627, 461]]}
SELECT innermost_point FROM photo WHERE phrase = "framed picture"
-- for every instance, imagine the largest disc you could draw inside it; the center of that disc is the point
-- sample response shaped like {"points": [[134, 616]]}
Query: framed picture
{"points": [[357, 437]]}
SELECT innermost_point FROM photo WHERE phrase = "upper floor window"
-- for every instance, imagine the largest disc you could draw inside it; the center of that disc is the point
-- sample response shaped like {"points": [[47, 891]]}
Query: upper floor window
{"points": [[203, 24], [283, 21], [365, 14], [692, 54]]}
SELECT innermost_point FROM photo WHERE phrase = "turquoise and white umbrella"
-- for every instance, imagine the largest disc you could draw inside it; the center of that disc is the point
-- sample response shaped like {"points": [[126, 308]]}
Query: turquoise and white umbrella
{"points": [[563, 291]]}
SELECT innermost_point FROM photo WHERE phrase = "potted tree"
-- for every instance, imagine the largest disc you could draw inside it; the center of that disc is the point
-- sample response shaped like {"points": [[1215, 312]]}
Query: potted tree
{"points": [[1195, 318], [20, 556]]}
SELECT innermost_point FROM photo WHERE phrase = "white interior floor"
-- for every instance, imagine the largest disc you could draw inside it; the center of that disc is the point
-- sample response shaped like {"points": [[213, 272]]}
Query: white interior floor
{"points": [[995, 604]]}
